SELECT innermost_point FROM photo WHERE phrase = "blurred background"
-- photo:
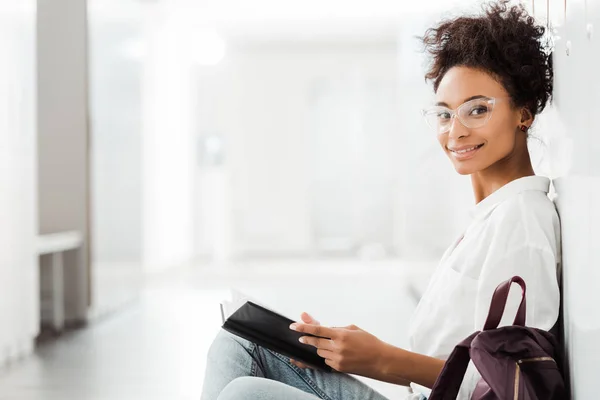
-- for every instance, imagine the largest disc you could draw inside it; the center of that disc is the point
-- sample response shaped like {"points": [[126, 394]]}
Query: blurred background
{"points": [[156, 153]]}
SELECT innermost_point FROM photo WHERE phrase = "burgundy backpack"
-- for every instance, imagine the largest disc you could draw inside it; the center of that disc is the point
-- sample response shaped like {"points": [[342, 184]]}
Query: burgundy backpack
{"points": [[515, 362]]}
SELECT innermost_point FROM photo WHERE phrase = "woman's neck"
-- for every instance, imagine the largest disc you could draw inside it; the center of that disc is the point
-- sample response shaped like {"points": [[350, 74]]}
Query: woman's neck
{"points": [[487, 181]]}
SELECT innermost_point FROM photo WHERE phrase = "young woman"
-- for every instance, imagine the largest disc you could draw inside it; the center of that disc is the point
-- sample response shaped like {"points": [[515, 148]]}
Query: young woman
{"points": [[491, 77]]}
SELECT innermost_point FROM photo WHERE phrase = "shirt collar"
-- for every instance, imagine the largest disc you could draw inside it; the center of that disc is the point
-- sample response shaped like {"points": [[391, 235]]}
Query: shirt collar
{"points": [[485, 206]]}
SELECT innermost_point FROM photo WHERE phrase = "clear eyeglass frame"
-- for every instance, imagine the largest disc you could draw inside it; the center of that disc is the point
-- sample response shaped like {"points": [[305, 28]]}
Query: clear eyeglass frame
{"points": [[440, 118]]}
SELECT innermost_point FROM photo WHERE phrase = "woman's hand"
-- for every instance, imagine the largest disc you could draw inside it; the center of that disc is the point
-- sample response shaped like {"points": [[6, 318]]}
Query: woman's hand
{"points": [[348, 349], [308, 320]]}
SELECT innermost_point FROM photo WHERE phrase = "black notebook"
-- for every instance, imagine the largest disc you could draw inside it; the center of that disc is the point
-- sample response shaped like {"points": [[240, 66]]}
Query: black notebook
{"points": [[272, 331]]}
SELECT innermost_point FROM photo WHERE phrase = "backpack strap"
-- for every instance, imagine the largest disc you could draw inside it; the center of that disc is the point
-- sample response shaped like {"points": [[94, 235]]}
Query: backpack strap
{"points": [[448, 383], [499, 303]]}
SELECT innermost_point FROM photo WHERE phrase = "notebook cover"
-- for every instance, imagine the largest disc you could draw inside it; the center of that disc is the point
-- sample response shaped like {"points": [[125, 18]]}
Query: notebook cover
{"points": [[272, 331]]}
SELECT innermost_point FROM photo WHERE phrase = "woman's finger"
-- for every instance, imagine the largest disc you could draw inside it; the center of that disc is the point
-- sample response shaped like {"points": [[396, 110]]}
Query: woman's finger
{"points": [[319, 343], [307, 318], [328, 354], [315, 330]]}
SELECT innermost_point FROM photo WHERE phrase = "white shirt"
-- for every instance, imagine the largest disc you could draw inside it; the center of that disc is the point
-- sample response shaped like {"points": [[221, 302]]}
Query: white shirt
{"points": [[514, 231]]}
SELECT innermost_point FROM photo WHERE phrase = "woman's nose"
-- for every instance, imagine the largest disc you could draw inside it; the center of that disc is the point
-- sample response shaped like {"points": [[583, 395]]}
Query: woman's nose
{"points": [[457, 129]]}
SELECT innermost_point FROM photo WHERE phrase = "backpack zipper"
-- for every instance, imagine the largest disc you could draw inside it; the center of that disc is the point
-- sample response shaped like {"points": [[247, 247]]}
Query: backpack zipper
{"points": [[524, 360], [518, 370], [517, 374]]}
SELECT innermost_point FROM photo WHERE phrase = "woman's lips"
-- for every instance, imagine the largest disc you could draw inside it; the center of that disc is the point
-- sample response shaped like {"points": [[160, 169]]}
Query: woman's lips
{"points": [[464, 153]]}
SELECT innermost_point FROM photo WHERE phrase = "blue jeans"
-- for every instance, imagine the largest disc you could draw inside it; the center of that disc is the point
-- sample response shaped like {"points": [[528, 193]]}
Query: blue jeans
{"points": [[240, 370]]}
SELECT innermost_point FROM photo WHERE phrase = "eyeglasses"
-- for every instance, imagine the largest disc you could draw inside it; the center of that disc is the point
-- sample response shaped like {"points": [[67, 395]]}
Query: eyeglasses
{"points": [[472, 114]]}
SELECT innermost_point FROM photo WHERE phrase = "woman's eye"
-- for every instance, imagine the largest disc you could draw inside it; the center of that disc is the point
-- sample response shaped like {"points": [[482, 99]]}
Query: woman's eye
{"points": [[443, 115], [478, 110]]}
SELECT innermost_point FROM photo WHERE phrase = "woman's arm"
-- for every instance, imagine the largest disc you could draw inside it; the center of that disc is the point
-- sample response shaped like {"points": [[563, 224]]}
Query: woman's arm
{"points": [[355, 351], [402, 367]]}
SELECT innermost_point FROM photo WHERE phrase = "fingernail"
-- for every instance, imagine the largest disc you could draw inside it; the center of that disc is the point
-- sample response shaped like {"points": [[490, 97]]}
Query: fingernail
{"points": [[293, 326], [302, 340]]}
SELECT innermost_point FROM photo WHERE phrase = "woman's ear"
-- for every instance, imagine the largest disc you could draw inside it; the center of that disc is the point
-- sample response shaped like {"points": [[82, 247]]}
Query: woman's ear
{"points": [[526, 119], [526, 116]]}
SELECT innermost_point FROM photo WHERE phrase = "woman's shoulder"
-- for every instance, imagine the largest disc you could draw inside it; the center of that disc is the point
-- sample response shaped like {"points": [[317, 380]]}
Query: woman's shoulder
{"points": [[528, 218], [531, 203]]}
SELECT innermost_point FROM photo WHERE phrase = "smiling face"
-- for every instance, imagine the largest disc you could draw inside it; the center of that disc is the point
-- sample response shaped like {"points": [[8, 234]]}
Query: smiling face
{"points": [[477, 148]]}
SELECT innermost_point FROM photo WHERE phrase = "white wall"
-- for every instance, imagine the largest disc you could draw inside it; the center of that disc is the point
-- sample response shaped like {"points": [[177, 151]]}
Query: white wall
{"points": [[167, 145], [575, 147], [63, 159], [19, 289], [142, 145], [352, 134], [116, 47], [264, 102]]}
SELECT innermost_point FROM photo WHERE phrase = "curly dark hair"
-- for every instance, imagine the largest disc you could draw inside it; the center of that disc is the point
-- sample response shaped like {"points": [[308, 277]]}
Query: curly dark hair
{"points": [[505, 42]]}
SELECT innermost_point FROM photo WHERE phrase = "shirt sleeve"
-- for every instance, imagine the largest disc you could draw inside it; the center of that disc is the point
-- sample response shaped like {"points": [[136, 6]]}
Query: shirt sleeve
{"points": [[538, 268]]}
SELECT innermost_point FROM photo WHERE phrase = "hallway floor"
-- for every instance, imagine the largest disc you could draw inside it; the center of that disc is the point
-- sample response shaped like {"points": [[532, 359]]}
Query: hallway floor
{"points": [[155, 348]]}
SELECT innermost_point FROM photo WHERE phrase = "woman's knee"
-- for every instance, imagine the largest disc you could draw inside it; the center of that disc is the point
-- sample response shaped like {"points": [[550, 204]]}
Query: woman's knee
{"points": [[240, 389], [253, 388]]}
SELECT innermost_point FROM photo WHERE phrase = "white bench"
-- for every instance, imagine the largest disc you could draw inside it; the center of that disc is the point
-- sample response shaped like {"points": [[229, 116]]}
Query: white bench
{"points": [[54, 245]]}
